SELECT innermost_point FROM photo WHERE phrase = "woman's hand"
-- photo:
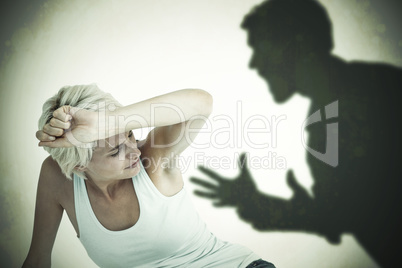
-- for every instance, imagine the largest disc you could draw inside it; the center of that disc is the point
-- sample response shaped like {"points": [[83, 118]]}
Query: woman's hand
{"points": [[70, 126]]}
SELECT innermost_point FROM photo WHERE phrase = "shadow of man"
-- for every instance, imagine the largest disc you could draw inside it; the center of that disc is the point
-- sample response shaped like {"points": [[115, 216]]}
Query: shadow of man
{"points": [[353, 140]]}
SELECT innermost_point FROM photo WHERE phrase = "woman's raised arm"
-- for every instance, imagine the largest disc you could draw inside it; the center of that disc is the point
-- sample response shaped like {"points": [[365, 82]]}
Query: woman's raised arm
{"points": [[86, 126]]}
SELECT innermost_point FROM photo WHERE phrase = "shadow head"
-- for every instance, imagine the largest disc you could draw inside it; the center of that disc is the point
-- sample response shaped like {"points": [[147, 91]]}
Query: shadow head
{"points": [[286, 36]]}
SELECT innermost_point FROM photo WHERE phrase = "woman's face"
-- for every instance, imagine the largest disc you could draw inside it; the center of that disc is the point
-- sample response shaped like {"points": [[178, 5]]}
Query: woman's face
{"points": [[115, 158]]}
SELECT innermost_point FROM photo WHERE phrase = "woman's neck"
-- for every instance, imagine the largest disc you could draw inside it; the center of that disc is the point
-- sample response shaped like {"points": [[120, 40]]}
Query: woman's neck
{"points": [[105, 189]]}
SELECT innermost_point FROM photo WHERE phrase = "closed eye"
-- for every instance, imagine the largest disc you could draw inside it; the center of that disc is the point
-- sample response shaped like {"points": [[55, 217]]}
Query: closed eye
{"points": [[130, 134], [116, 153], [118, 149]]}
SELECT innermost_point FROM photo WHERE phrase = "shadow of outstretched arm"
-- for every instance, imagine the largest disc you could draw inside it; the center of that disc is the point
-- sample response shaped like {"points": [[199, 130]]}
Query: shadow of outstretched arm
{"points": [[264, 212]]}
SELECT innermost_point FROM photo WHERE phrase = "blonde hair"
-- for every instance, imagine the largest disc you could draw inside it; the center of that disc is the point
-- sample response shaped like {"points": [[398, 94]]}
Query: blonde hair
{"points": [[88, 97]]}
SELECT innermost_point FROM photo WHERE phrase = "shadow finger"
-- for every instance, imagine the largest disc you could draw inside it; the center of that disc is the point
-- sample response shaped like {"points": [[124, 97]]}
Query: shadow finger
{"points": [[203, 183], [205, 194], [210, 173]]}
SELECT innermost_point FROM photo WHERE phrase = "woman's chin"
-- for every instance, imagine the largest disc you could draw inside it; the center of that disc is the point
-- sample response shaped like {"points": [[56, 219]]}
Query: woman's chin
{"points": [[133, 170]]}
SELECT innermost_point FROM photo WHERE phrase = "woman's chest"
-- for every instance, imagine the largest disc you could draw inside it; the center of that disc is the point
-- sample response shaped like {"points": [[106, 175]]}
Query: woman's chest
{"points": [[118, 215]]}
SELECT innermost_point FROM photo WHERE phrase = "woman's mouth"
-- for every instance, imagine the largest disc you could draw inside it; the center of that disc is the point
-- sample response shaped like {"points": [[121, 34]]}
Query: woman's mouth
{"points": [[134, 164]]}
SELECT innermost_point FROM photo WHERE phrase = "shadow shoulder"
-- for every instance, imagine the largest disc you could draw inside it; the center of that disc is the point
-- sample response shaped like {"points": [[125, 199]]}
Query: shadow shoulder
{"points": [[381, 67]]}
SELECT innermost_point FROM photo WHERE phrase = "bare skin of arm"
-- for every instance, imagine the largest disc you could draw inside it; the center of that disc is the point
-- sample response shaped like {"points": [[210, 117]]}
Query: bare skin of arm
{"points": [[172, 111], [48, 214]]}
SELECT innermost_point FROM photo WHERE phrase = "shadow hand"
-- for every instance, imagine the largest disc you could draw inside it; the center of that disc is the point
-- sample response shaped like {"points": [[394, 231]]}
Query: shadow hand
{"points": [[227, 191]]}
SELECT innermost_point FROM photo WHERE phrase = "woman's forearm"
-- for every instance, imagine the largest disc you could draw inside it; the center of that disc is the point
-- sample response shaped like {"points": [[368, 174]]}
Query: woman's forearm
{"points": [[88, 126], [168, 109]]}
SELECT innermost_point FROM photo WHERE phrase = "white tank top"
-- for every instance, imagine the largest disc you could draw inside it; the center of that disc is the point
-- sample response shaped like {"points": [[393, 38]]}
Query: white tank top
{"points": [[168, 233]]}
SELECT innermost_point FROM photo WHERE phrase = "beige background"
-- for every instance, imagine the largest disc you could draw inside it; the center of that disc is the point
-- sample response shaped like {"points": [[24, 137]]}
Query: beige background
{"points": [[138, 49]]}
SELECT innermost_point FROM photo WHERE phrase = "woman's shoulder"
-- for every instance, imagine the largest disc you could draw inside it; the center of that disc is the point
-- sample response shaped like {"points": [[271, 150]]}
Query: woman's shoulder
{"points": [[52, 178], [50, 168]]}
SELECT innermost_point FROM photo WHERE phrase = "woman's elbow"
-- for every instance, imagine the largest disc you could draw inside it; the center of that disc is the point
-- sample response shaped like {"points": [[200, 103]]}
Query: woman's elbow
{"points": [[205, 101]]}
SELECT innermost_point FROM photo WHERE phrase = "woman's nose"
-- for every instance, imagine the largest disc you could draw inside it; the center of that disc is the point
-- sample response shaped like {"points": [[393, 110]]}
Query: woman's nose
{"points": [[134, 156], [133, 152]]}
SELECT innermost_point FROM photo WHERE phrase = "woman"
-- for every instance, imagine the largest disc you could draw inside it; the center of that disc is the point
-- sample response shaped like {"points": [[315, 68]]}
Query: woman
{"points": [[124, 198]]}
